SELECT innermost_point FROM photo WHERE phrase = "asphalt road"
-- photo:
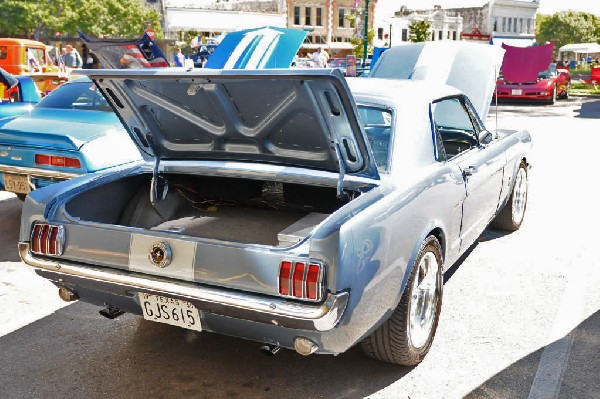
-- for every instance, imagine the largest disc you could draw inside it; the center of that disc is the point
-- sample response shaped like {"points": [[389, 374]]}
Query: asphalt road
{"points": [[520, 319]]}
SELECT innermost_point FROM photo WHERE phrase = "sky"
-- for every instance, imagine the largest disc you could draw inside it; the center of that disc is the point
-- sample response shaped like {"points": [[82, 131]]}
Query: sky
{"points": [[546, 6]]}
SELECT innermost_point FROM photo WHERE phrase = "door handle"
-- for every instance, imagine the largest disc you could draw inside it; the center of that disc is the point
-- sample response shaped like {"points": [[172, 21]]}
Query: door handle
{"points": [[469, 170]]}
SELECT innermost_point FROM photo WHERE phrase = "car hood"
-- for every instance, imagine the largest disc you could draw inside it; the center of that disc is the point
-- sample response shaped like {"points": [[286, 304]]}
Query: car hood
{"points": [[470, 67], [287, 117], [60, 129], [258, 48], [522, 64], [123, 54]]}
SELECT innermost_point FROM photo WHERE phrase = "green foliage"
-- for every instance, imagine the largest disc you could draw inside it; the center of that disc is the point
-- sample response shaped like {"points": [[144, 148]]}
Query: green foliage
{"points": [[419, 31], [107, 18], [358, 44], [568, 27]]}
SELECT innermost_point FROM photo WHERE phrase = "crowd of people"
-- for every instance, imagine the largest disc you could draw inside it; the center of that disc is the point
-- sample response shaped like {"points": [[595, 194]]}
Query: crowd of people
{"points": [[71, 58]]}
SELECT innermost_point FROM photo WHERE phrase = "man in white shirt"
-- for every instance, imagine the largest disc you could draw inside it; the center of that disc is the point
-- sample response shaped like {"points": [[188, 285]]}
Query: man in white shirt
{"points": [[319, 58]]}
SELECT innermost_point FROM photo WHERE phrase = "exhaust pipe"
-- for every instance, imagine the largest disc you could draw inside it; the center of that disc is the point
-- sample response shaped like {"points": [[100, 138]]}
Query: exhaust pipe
{"points": [[111, 312], [270, 350]]}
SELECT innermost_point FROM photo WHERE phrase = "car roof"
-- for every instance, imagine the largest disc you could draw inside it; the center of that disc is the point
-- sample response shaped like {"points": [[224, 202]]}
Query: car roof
{"points": [[397, 92]]}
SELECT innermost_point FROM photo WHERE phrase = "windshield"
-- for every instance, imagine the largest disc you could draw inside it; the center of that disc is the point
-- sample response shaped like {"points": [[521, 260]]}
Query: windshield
{"points": [[377, 123], [76, 95]]}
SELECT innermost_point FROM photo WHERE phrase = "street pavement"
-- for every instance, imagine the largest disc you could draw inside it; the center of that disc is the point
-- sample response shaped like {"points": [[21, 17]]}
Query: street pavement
{"points": [[520, 318]]}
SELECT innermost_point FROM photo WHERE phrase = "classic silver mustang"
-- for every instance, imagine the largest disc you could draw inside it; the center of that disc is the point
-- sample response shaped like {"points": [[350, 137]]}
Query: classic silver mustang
{"points": [[289, 207]]}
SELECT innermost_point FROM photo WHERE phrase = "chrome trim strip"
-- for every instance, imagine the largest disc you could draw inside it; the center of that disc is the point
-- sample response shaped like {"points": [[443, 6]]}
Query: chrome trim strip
{"points": [[252, 307], [38, 173]]}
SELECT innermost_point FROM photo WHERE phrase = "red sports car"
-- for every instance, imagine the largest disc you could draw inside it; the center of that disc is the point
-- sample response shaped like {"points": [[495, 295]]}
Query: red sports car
{"points": [[550, 84]]}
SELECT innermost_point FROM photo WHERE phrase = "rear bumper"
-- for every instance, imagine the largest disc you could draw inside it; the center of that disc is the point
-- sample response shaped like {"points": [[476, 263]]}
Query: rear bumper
{"points": [[38, 173], [235, 304]]}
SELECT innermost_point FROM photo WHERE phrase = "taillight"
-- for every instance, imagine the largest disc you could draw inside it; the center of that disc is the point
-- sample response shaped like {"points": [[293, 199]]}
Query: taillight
{"points": [[60, 161], [302, 280], [47, 239]]}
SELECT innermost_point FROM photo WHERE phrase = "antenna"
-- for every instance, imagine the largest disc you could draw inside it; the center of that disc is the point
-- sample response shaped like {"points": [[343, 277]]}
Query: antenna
{"points": [[496, 97]]}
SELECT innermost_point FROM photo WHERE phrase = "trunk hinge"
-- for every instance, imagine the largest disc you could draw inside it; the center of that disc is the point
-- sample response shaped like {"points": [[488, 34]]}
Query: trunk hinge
{"points": [[340, 184], [159, 186]]}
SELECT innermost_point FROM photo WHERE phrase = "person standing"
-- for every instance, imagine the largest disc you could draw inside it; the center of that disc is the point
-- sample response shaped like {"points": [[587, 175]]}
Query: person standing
{"points": [[179, 57], [72, 59], [318, 58]]}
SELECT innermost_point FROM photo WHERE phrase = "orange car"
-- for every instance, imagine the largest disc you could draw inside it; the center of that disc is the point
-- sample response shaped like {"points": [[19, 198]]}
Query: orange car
{"points": [[30, 57]]}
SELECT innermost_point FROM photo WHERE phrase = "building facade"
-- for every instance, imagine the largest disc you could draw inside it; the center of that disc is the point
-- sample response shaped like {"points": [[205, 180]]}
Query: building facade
{"points": [[445, 25], [502, 21], [329, 23]]}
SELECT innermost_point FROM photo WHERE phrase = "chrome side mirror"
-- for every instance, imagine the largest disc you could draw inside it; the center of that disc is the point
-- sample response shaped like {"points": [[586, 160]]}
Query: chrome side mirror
{"points": [[485, 137]]}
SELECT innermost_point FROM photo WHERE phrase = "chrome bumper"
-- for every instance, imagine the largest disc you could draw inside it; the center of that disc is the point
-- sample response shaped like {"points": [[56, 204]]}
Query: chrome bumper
{"points": [[38, 173], [274, 311]]}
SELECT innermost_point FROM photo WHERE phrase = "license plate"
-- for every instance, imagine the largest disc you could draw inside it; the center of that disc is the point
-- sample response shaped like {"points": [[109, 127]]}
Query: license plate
{"points": [[517, 92], [170, 311], [17, 183]]}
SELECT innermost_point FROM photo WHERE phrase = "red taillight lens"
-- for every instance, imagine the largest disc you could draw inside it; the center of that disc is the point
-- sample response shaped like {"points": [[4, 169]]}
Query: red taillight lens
{"points": [[60, 161], [47, 239], [313, 281], [301, 280], [285, 272], [35, 234], [42, 159], [298, 282]]}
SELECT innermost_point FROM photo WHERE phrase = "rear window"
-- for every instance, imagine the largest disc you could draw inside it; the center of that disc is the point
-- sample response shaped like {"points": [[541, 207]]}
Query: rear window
{"points": [[77, 95], [377, 123]]}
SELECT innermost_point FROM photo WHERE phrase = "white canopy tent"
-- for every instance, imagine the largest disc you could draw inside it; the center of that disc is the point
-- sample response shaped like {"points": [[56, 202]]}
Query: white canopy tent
{"points": [[587, 48]]}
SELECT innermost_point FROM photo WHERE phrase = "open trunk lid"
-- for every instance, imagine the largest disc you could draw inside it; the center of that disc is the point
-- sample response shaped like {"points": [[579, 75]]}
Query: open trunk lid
{"points": [[286, 117]]}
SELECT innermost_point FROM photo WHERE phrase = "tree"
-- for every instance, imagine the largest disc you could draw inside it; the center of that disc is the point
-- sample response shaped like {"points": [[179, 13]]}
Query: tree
{"points": [[419, 31], [358, 44], [568, 27], [109, 18]]}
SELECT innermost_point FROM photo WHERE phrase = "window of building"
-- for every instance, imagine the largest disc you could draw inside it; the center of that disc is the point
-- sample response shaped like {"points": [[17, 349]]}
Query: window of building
{"points": [[319, 21], [495, 24], [515, 25], [433, 36], [404, 35], [342, 18], [503, 24], [380, 33], [339, 39], [448, 35], [454, 35], [521, 25], [296, 15], [440, 35], [308, 16]]}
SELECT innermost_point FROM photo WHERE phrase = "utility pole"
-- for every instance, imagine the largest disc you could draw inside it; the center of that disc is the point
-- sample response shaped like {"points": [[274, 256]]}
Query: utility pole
{"points": [[366, 37]]}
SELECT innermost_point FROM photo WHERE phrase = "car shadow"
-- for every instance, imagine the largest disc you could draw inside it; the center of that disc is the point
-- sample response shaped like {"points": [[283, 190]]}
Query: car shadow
{"points": [[570, 369], [590, 109], [77, 350], [487, 235], [10, 214]]}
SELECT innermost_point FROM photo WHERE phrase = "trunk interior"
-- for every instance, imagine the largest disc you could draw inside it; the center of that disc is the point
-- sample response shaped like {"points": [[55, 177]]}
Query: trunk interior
{"points": [[228, 209]]}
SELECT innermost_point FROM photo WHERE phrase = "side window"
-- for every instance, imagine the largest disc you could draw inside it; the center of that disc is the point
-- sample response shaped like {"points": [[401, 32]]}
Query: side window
{"points": [[454, 126]]}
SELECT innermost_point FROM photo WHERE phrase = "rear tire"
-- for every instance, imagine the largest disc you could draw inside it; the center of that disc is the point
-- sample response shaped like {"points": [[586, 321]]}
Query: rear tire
{"points": [[511, 216], [405, 338]]}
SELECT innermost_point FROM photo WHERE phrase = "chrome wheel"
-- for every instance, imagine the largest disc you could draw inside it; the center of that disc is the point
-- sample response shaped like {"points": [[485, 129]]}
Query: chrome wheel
{"points": [[423, 300], [519, 197]]}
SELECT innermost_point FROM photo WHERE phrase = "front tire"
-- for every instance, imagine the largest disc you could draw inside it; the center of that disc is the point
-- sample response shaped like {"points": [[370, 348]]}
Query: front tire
{"points": [[511, 216], [552, 99], [405, 338]]}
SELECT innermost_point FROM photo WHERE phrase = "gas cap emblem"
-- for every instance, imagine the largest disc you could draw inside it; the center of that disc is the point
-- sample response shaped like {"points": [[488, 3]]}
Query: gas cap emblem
{"points": [[160, 254]]}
